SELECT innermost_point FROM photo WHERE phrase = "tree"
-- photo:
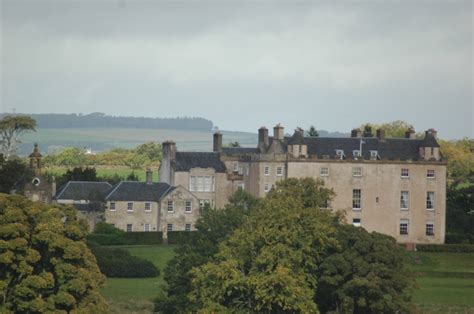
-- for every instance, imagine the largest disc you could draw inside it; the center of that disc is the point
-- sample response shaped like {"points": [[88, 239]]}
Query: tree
{"points": [[151, 150], [11, 127], [460, 157], [234, 144], [71, 157], [45, 265], [269, 264], [135, 161], [312, 132], [392, 129], [291, 256], [14, 174], [213, 227], [460, 213], [367, 131], [365, 274]]}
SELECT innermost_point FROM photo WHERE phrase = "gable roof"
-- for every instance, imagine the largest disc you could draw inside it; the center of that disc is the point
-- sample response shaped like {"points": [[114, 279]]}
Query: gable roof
{"points": [[185, 161], [82, 190], [138, 191]]}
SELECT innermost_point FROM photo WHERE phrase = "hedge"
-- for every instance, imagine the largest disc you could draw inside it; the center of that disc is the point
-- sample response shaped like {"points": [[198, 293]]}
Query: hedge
{"points": [[179, 237], [453, 248], [459, 238], [118, 263], [126, 238]]}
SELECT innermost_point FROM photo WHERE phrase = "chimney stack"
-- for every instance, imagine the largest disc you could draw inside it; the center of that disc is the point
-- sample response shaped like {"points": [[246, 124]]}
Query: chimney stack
{"points": [[380, 134], [278, 132], [217, 147], [169, 150], [432, 132], [263, 137], [356, 133], [149, 176], [410, 133]]}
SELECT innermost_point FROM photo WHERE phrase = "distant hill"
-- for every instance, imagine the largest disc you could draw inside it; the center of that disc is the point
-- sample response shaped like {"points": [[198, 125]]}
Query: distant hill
{"points": [[101, 120]]}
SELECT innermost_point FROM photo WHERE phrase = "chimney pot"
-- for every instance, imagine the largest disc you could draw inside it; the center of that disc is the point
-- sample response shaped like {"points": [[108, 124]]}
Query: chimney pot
{"points": [[356, 133], [149, 176]]}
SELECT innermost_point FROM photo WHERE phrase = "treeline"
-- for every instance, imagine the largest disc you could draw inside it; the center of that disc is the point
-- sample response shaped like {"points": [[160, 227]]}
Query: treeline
{"points": [[101, 120]]}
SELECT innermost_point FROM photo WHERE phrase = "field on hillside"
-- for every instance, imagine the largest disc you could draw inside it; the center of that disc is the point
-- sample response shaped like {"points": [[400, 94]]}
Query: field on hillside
{"points": [[100, 139], [445, 280]]}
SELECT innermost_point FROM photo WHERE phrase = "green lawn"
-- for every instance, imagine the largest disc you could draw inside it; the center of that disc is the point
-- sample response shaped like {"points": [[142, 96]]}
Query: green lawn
{"points": [[135, 295], [445, 281]]}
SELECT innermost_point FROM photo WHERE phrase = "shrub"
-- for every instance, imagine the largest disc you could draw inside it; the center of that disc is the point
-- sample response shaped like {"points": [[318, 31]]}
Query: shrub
{"points": [[107, 234], [452, 248], [179, 237], [118, 263]]}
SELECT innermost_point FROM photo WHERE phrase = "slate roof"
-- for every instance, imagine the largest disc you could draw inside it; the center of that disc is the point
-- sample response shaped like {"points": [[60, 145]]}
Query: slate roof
{"points": [[185, 161], [429, 141], [82, 190], [388, 148], [296, 139], [138, 191]]}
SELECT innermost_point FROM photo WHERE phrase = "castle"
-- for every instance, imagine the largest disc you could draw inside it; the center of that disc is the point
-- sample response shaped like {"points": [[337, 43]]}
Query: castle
{"points": [[395, 186]]}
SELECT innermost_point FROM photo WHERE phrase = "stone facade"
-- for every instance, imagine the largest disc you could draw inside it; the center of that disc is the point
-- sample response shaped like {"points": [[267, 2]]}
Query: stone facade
{"points": [[387, 186]]}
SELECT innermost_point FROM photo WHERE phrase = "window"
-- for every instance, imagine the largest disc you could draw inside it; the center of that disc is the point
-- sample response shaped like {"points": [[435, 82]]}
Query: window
{"points": [[266, 170], [430, 229], [357, 171], [430, 200], [356, 199], [356, 153], [189, 206], [327, 203], [404, 226], [300, 149], [200, 184], [187, 227], [146, 227], [405, 173], [404, 198], [267, 187], [169, 227], [240, 185], [340, 153], [324, 172], [236, 167], [129, 228], [192, 184], [247, 170], [430, 174], [170, 206], [130, 206], [356, 222], [208, 184], [112, 206], [279, 171], [147, 207]]}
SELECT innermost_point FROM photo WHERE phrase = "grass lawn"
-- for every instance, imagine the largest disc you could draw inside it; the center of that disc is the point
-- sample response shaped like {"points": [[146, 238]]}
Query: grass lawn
{"points": [[445, 281], [135, 295]]}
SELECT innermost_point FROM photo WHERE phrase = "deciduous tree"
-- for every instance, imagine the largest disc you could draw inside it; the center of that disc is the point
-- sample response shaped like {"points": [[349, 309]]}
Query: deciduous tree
{"points": [[11, 127], [45, 265]]}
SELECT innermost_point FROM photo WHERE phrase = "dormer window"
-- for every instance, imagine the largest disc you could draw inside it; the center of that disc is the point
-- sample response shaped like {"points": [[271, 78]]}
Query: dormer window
{"points": [[340, 153], [374, 155], [356, 153], [236, 167]]}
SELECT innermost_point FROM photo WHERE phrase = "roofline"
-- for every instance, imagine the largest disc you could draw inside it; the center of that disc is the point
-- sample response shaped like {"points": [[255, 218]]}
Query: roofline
{"points": [[166, 192], [113, 190], [62, 191]]}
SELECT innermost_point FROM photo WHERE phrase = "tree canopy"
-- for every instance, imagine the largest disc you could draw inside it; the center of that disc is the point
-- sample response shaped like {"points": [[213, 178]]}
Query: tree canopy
{"points": [[312, 131], [45, 265], [284, 258], [11, 127], [14, 174]]}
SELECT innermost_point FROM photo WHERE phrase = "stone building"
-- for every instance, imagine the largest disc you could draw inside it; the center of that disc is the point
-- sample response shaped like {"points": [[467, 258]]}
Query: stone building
{"points": [[148, 206], [39, 189], [87, 197], [395, 186]]}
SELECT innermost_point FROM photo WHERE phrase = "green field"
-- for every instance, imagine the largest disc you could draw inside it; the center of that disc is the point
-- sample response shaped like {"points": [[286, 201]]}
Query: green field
{"points": [[136, 294], [100, 139], [445, 281]]}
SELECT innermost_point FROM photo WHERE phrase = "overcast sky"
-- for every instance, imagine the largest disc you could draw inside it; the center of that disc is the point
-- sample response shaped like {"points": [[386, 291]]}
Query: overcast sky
{"points": [[244, 64]]}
